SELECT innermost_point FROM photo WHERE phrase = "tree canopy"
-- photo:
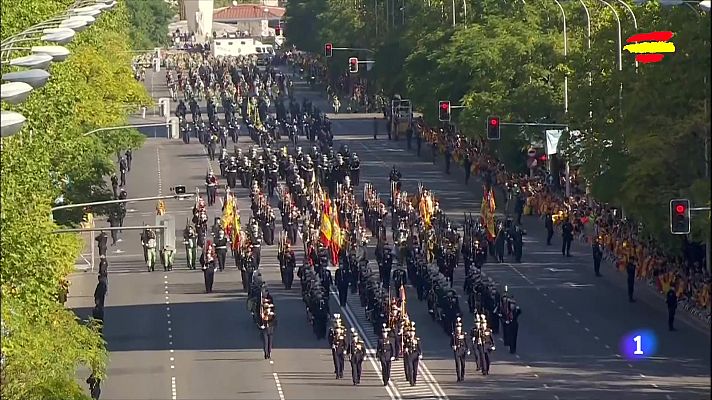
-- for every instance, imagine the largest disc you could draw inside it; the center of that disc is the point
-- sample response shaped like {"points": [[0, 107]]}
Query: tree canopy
{"points": [[508, 59], [43, 343], [149, 19]]}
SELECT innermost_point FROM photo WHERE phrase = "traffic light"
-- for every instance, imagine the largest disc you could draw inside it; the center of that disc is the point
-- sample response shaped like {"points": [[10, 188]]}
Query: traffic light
{"points": [[680, 216], [493, 128], [277, 31], [328, 50], [353, 65], [444, 111]]}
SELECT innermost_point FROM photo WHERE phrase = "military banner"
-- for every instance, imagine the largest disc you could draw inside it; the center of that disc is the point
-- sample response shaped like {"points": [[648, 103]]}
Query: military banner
{"points": [[487, 211], [336, 236]]}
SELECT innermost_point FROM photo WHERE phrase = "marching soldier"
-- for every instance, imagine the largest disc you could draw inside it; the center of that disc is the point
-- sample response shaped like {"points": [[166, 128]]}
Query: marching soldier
{"points": [[510, 312], [209, 268], [342, 283], [385, 351], [597, 256], [190, 240], [458, 342], [221, 249], [337, 341], [357, 352], [482, 343], [267, 328], [287, 263], [413, 355]]}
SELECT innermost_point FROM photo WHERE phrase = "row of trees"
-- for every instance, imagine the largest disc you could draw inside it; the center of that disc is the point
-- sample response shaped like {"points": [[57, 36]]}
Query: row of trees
{"points": [[42, 342], [637, 150]]}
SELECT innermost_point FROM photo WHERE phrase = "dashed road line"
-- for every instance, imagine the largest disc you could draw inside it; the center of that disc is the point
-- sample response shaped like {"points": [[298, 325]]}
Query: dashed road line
{"points": [[279, 386], [171, 351], [158, 171]]}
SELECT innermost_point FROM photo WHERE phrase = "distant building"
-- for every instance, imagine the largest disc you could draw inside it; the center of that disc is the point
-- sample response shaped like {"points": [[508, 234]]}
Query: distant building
{"points": [[254, 19]]}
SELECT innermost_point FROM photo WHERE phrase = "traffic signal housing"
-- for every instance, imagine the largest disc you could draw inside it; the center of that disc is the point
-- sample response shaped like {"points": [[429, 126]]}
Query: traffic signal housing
{"points": [[278, 31], [493, 126], [329, 50], [680, 216], [444, 114], [353, 65]]}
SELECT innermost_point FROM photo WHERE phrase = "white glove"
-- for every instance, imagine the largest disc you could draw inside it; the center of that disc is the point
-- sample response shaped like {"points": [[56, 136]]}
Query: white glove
{"points": [[393, 358], [420, 357]]}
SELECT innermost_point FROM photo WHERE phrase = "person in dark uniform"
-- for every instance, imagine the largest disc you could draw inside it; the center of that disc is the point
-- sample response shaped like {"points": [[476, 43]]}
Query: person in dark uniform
{"points": [[567, 235], [104, 268], [482, 343], [510, 322], [100, 292], [209, 267], [357, 353], [671, 300], [123, 167], [549, 225], [413, 355], [597, 256], [94, 386], [102, 241], [221, 243], [337, 341], [267, 329], [129, 158], [342, 284], [630, 271], [386, 354], [375, 128], [467, 164], [517, 243], [458, 342]]}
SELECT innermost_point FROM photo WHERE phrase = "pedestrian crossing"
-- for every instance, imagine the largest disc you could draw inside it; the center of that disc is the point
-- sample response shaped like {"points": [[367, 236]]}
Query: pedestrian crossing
{"points": [[426, 388]]}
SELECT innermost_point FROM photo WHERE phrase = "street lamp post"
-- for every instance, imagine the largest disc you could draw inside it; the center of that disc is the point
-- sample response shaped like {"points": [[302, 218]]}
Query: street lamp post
{"points": [[620, 56], [566, 52]]}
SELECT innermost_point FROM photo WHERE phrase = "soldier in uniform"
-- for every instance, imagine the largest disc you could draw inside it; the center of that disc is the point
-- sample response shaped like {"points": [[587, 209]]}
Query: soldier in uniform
{"points": [[458, 342], [287, 263], [357, 352], [267, 327], [413, 355], [385, 351], [510, 312], [482, 343], [221, 242], [337, 341], [342, 283], [208, 259], [597, 256]]}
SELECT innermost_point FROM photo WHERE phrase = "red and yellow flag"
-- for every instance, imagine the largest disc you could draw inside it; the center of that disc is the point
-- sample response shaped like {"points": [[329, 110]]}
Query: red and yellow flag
{"points": [[337, 237], [326, 225]]}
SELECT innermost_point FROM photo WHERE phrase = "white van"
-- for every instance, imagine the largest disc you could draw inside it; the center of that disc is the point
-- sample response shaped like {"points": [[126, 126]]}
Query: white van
{"points": [[233, 47]]}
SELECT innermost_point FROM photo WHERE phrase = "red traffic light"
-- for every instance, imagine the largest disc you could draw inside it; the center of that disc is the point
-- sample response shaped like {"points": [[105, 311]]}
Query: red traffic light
{"points": [[328, 50], [542, 157], [494, 121], [277, 31], [445, 105], [680, 209]]}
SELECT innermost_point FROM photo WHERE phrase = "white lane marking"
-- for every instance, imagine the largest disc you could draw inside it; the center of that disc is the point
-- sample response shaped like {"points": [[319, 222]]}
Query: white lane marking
{"points": [[596, 337], [642, 376], [577, 321], [630, 365], [391, 389], [158, 171], [536, 375], [171, 351], [546, 386], [587, 330], [568, 314], [279, 386], [654, 385], [608, 347], [545, 295]]}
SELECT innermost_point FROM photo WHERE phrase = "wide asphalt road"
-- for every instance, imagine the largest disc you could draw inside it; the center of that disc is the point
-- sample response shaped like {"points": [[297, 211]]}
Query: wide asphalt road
{"points": [[165, 345]]}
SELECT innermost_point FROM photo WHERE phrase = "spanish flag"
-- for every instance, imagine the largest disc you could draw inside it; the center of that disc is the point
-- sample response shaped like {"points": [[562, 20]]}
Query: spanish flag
{"points": [[650, 47], [326, 223], [235, 237], [337, 237]]}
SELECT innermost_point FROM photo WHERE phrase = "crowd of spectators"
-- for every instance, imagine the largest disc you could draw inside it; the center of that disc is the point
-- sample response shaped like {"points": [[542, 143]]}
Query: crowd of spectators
{"points": [[620, 236]]}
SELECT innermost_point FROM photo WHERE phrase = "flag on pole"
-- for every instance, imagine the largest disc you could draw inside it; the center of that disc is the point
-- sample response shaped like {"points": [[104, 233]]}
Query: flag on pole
{"points": [[326, 225], [235, 227], [487, 210], [336, 236]]}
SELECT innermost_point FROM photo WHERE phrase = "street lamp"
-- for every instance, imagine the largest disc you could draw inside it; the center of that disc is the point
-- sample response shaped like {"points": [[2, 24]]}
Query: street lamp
{"points": [[15, 92], [10, 123], [38, 61], [33, 77], [704, 5]]}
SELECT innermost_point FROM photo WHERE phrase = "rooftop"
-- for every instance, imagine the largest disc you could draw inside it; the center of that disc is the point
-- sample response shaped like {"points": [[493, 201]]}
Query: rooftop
{"points": [[247, 12]]}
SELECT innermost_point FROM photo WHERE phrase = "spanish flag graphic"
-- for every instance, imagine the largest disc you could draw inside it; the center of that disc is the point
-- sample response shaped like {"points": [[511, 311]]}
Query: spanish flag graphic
{"points": [[648, 47]]}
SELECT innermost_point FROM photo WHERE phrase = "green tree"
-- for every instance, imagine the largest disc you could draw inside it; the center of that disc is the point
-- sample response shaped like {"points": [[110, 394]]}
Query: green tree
{"points": [[43, 343], [149, 20]]}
